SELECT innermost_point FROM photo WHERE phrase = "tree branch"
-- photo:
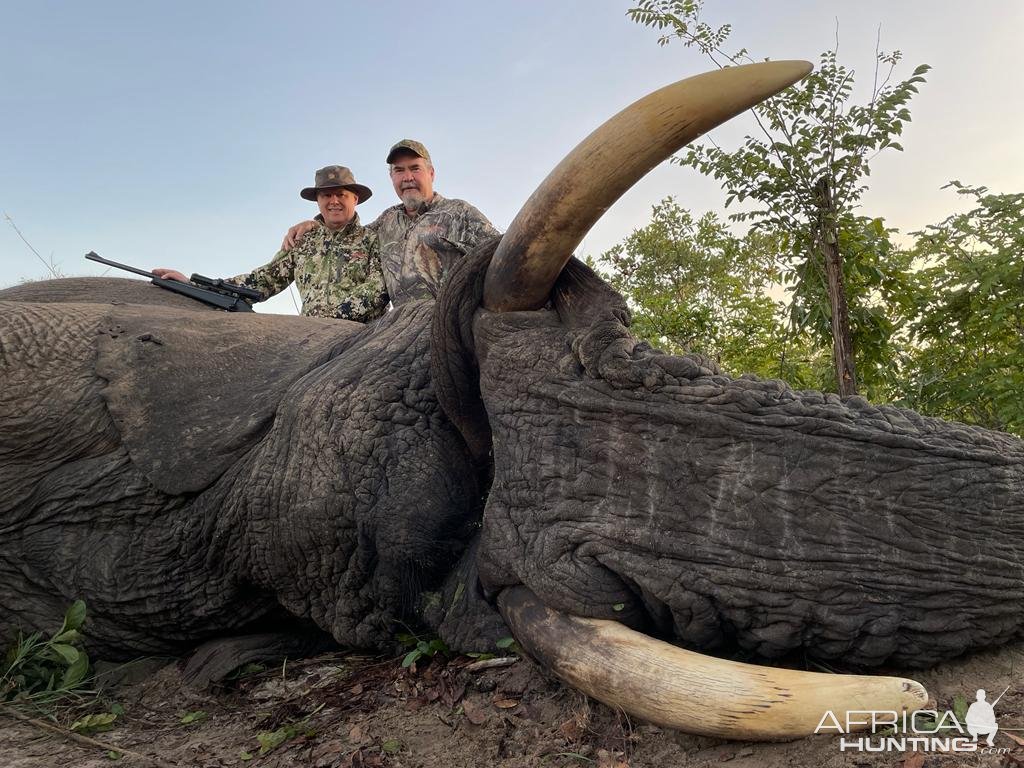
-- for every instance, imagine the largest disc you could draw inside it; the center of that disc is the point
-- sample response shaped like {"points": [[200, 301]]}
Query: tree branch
{"points": [[85, 740]]}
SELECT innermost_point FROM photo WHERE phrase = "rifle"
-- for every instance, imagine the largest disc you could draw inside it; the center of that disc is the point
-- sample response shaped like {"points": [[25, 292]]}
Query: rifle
{"points": [[215, 292]]}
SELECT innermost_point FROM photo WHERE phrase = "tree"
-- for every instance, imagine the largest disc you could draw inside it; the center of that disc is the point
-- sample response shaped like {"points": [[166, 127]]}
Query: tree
{"points": [[695, 287], [804, 179], [967, 358]]}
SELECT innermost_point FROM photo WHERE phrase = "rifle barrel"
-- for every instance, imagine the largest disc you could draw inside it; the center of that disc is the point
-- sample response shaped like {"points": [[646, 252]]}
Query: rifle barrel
{"points": [[93, 256]]}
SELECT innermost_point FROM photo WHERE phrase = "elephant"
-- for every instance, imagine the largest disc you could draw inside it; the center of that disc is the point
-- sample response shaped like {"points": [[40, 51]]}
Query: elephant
{"points": [[503, 456]]}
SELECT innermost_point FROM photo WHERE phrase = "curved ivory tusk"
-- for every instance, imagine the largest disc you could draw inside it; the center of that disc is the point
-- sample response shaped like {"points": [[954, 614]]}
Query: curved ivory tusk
{"points": [[608, 162], [690, 692]]}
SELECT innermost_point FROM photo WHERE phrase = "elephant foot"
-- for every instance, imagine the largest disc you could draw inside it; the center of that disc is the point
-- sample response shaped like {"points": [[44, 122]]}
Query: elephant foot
{"points": [[460, 613], [212, 661]]}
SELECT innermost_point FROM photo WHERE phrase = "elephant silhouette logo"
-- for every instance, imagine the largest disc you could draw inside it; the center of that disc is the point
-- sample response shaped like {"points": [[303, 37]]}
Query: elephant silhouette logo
{"points": [[981, 717]]}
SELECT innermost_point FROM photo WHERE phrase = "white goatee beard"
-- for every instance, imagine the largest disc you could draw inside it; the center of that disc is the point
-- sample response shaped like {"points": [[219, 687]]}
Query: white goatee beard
{"points": [[412, 198]]}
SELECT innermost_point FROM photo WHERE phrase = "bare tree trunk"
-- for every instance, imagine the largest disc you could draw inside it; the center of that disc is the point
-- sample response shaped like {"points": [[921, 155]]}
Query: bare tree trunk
{"points": [[842, 341]]}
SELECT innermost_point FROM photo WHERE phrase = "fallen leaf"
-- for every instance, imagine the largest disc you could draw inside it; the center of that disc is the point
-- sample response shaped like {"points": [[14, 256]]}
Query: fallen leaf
{"points": [[452, 695], [915, 760], [326, 755], [606, 759], [355, 733], [356, 689], [506, 703], [1013, 737], [572, 729], [94, 723]]}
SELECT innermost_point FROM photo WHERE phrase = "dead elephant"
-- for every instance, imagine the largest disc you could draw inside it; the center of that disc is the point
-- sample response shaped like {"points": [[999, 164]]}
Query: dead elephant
{"points": [[190, 473]]}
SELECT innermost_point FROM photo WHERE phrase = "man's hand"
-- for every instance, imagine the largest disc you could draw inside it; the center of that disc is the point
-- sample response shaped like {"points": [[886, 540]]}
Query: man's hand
{"points": [[170, 274], [295, 234]]}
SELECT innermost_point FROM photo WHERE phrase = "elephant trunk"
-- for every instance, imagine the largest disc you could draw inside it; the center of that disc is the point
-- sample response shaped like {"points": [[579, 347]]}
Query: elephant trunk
{"points": [[612, 159], [698, 694]]}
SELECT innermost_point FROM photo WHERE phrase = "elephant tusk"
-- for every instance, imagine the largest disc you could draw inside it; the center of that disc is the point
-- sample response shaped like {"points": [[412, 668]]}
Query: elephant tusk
{"points": [[680, 689], [608, 162]]}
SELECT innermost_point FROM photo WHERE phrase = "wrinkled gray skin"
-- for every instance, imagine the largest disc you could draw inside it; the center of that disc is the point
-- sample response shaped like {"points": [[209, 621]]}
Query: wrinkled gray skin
{"points": [[188, 473]]}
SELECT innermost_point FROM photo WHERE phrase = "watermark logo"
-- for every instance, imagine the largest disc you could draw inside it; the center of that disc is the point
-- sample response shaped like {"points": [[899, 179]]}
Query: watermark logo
{"points": [[923, 730], [981, 717]]}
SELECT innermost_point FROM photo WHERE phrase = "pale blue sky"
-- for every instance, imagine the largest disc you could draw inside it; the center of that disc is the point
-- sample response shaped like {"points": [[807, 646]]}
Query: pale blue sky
{"points": [[179, 134]]}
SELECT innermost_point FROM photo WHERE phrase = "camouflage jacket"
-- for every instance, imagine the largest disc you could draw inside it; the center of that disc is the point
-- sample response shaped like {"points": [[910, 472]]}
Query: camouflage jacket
{"points": [[416, 252], [338, 273]]}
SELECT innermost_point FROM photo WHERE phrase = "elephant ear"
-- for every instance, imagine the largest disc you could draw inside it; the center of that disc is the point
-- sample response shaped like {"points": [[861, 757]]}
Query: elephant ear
{"points": [[192, 392]]}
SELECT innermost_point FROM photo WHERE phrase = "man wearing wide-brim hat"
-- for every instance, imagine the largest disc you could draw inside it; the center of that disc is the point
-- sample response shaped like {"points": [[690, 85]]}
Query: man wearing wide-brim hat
{"points": [[336, 267]]}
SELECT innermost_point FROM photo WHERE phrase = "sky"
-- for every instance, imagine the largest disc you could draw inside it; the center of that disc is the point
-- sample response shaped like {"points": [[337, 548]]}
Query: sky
{"points": [[179, 134]]}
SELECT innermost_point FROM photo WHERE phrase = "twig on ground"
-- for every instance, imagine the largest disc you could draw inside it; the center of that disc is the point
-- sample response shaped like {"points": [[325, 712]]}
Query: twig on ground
{"points": [[479, 666], [84, 740]]}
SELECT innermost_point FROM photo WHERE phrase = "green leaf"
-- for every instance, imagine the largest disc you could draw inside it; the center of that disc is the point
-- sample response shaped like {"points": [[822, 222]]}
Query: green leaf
{"points": [[94, 723], [391, 746], [618, 607], [117, 709], [246, 756], [113, 755], [252, 668], [505, 642], [75, 616], [69, 653], [960, 707], [192, 717], [410, 658], [74, 674], [271, 740], [68, 636]]}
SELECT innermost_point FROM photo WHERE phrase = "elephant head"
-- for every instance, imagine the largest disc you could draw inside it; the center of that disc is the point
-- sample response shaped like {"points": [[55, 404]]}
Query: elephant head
{"points": [[508, 444]]}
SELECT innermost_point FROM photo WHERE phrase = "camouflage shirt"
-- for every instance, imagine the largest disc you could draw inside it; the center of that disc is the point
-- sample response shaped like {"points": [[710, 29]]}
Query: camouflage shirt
{"points": [[417, 251], [338, 273]]}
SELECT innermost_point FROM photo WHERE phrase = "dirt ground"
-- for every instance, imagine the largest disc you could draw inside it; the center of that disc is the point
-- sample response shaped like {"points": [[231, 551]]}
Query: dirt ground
{"points": [[352, 711]]}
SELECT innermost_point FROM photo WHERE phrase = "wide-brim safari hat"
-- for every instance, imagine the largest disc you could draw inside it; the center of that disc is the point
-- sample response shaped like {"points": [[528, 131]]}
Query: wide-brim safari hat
{"points": [[333, 177]]}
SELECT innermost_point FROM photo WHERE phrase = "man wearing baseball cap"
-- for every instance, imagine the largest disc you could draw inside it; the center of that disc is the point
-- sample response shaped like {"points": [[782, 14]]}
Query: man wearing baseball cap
{"points": [[336, 267], [425, 234]]}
